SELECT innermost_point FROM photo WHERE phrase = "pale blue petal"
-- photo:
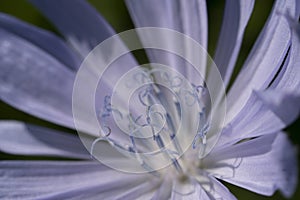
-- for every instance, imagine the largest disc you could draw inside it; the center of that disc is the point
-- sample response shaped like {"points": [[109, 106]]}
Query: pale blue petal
{"points": [[76, 20], [261, 173], [285, 104], [288, 78], [24, 139], [188, 18], [62, 180], [139, 192], [81, 25], [262, 145], [298, 7], [34, 81], [255, 119], [235, 19], [43, 39], [84, 28], [269, 50]]}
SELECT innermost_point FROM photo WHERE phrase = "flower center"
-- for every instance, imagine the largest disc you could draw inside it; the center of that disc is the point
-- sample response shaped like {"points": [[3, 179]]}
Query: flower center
{"points": [[157, 127]]}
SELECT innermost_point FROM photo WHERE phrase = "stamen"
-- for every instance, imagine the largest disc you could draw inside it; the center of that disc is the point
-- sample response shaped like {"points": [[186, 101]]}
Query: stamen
{"points": [[172, 133], [159, 141], [178, 108], [176, 164], [174, 82], [142, 95], [203, 128], [158, 122]]}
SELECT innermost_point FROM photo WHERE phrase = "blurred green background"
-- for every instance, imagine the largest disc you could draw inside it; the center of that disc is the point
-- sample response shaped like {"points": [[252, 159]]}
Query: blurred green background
{"points": [[116, 14]]}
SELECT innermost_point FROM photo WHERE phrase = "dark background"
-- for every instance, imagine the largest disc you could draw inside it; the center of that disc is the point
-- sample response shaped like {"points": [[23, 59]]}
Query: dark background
{"points": [[116, 14]]}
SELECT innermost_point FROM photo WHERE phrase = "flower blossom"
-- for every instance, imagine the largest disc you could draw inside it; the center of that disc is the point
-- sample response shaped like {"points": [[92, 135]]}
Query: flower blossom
{"points": [[248, 149]]}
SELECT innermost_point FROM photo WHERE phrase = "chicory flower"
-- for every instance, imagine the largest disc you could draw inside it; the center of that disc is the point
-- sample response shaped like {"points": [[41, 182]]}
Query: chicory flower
{"points": [[38, 70]]}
